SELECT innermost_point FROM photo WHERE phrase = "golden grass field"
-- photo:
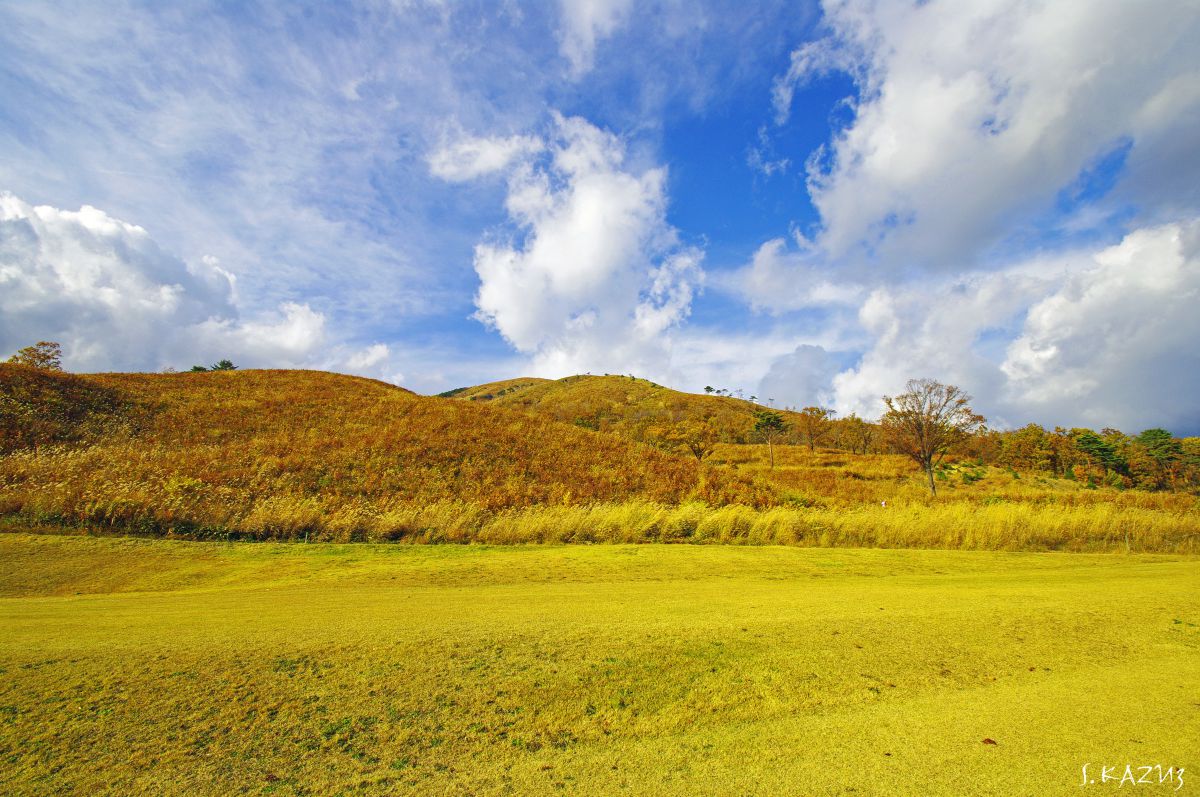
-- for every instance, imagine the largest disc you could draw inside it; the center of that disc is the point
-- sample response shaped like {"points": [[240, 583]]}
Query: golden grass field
{"points": [[162, 667]]}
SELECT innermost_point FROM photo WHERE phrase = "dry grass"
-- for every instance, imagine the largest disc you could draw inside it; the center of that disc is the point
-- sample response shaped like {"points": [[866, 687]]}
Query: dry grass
{"points": [[621, 405], [154, 667], [287, 453], [315, 456]]}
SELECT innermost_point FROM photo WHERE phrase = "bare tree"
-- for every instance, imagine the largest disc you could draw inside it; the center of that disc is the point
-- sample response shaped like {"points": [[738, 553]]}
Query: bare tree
{"points": [[926, 420]]}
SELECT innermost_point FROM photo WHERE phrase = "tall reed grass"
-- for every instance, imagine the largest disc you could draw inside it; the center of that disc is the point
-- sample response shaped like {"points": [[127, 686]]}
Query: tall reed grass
{"points": [[961, 526]]}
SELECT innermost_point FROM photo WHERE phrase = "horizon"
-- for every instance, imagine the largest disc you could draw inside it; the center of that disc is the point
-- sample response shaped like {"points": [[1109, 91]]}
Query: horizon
{"points": [[813, 202]]}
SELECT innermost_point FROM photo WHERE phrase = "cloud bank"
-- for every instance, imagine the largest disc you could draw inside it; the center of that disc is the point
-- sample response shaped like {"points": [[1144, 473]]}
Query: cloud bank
{"points": [[1011, 206], [114, 299], [977, 125]]}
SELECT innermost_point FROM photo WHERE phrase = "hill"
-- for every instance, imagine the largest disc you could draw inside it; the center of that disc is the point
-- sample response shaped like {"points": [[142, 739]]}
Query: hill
{"points": [[313, 455], [285, 453], [492, 390], [634, 408]]}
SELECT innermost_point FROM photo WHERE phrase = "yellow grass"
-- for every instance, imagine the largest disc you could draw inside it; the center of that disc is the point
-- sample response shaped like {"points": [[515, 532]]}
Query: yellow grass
{"points": [[157, 667]]}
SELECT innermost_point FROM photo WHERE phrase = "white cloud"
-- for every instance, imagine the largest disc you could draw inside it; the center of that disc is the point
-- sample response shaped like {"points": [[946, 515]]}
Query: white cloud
{"points": [[1118, 343], [293, 337], [743, 358], [979, 132], [764, 159], [584, 22], [1106, 338], [935, 329], [803, 378], [470, 157], [287, 142], [100, 286], [371, 356], [778, 279], [114, 299], [973, 116], [592, 277], [812, 60]]}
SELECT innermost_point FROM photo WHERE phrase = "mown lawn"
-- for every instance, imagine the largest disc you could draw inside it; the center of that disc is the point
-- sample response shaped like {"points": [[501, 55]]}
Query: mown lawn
{"points": [[162, 667]]}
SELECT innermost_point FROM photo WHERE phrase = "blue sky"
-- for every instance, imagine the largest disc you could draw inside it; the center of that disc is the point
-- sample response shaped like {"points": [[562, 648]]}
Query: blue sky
{"points": [[809, 202]]}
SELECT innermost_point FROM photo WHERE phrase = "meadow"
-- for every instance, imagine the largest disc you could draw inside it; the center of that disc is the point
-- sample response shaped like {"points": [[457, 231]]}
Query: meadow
{"points": [[163, 667]]}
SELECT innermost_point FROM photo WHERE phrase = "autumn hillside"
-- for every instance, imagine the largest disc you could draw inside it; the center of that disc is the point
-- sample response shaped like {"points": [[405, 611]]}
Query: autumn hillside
{"points": [[282, 453], [634, 408]]}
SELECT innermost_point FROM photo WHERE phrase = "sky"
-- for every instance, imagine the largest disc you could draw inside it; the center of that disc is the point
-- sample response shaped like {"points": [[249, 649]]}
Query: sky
{"points": [[809, 202]]}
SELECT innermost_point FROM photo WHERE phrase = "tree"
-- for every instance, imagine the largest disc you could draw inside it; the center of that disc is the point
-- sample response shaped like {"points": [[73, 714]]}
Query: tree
{"points": [[928, 419], [698, 437], [1100, 450], [1158, 457], [223, 365], [859, 434], [709, 389], [814, 424], [768, 425], [45, 354], [1027, 448]]}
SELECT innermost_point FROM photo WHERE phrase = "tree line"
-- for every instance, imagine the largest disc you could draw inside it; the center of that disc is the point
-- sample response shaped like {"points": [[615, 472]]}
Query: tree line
{"points": [[932, 423]]}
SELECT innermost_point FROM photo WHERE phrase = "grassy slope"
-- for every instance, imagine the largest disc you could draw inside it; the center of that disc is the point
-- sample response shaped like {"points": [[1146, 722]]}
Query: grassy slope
{"points": [[490, 390], [160, 667], [312, 455], [619, 404], [285, 450]]}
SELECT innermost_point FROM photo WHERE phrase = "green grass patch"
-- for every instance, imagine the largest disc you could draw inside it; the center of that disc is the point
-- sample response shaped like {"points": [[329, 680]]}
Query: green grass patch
{"points": [[136, 666]]}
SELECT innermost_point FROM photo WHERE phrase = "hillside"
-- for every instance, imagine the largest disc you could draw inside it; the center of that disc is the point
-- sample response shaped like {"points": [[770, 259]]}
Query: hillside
{"points": [[633, 408], [493, 390], [313, 455], [285, 453], [40, 407]]}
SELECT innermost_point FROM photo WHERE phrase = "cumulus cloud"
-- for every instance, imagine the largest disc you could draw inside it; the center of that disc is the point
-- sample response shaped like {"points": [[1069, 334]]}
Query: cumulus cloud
{"points": [[100, 286], [1103, 338], [1118, 342], [1010, 207], [584, 22], [972, 118], [803, 378], [589, 276], [368, 357], [115, 300], [939, 330]]}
